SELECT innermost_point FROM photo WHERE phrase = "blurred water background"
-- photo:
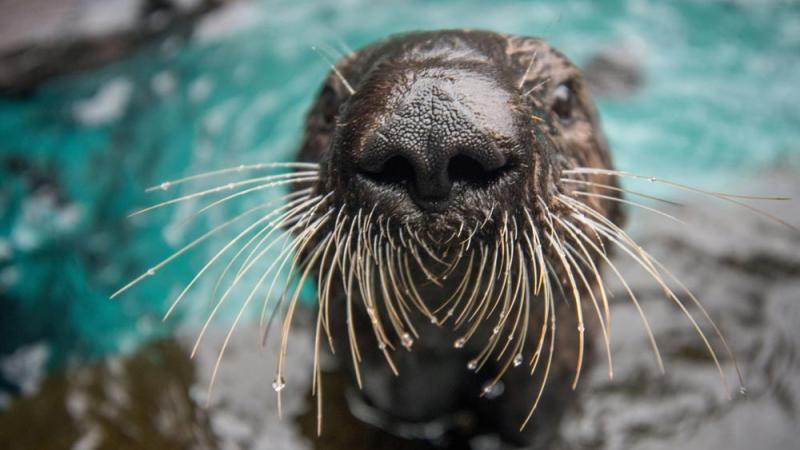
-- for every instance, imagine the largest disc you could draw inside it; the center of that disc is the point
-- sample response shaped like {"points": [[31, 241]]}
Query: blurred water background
{"points": [[717, 109]]}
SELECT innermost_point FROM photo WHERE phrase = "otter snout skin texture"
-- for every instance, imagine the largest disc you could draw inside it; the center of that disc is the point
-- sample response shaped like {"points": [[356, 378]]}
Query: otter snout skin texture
{"points": [[442, 157]]}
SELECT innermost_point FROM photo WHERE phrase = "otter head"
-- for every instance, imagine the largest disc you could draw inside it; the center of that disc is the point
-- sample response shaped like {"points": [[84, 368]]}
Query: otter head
{"points": [[453, 185], [448, 132]]}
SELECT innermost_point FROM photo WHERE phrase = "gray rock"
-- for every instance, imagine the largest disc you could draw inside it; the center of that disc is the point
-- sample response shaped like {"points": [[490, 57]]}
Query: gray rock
{"points": [[40, 39]]}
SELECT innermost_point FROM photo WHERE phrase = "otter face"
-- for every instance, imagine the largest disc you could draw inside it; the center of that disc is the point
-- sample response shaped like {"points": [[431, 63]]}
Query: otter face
{"points": [[450, 131], [447, 211]]}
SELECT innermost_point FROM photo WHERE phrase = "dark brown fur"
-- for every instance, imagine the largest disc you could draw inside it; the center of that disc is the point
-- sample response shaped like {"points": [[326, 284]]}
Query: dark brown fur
{"points": [[434, 384]]}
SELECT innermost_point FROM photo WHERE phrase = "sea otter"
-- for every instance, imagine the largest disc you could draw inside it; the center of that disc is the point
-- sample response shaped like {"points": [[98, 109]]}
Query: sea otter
{"points": [[442, 159], [456, 203]]}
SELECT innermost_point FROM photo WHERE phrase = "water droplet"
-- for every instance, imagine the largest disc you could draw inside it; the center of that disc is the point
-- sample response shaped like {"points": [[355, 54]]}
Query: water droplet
{"points": [[581, 329], [407, 340], [240, 168], [742, 390], [518, 360], [472, 365], [495, 330], [493, 390], [382, 346], [278, 384], [459, 343], [652, 179], [165, 185], [151, 272], [229, 186], [434, 320]]}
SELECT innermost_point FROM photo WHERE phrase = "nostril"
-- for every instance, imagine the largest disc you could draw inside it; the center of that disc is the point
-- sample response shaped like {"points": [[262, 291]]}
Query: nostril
{"points": [[396, 170], [463, 168]]}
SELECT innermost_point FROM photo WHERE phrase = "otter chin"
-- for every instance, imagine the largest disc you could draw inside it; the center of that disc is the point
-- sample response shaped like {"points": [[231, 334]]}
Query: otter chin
{"points": [[442, 158]]}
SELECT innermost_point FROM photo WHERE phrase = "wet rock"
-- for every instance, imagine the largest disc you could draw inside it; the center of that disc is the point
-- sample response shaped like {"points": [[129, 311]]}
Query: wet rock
{"points": [[615, 72], [136, 402], [744, 270], [40, 39]]}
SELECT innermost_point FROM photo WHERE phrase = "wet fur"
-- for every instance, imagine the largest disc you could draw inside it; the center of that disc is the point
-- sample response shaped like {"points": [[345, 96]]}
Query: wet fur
{"points": [[434, 384]]}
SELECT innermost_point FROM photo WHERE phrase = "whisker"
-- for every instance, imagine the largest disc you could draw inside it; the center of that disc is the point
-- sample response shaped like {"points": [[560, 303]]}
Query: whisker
{"points": [[730, 198], [248, 191], [591, 170], [572, 204], [645, 260], [527, 70], [536, 87], [335, 71], [303, 197], [152, 271], [278, 383], [235, 282], [287, 178], [559, 248], [216, 256], [619, 189], [238, 169], [604, 323], [549, 356], [632, 203]]}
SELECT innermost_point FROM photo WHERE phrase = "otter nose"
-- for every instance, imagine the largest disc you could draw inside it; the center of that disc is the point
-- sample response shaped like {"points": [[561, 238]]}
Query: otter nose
{"points": [[428, 161]]}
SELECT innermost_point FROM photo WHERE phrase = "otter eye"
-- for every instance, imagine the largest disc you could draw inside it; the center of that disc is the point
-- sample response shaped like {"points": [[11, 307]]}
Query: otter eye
{"points": [[563, 102]]}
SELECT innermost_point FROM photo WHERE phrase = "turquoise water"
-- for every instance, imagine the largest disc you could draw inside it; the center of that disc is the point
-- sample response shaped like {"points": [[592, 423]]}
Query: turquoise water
{"points": [[718, 106]]}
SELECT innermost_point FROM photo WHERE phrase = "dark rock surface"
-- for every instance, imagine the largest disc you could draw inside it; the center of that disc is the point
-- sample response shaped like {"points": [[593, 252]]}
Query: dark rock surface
{"points": [[40, 39], [615, 72]]}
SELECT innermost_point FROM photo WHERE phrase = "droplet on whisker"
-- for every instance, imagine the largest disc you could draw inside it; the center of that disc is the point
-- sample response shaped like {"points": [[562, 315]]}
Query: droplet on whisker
{"points": [[407, 341], [493, 390], [278, 384]]}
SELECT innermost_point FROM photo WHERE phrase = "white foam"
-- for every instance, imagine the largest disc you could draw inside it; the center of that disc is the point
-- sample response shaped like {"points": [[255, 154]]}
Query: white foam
{"points": [[107, 105], [233, 17]]}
